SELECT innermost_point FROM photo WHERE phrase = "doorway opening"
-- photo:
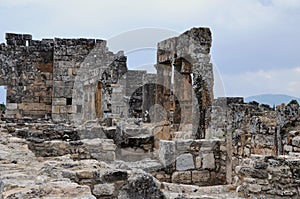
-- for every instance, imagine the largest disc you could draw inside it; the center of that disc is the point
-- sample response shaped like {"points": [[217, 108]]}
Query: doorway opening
{"points": [[98, 100], [2, 99]]}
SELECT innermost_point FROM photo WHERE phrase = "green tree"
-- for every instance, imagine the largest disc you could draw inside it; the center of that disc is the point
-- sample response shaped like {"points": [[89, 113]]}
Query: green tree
{"points": [[293, 101]]}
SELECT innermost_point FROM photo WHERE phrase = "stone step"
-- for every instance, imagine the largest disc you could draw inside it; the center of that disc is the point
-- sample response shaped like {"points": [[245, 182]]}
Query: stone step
{"points": [[191, 191]]}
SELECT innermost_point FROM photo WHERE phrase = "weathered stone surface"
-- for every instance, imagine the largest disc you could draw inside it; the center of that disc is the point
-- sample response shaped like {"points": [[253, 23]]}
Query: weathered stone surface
{"points": [[103, 189], [166, 152], [141, 185], [200, 176], [254, 188], [296, 141], [182, 177], [183, 145], [198, 162], [208, 160], [185, 162], [260, 165], [255, 173]]}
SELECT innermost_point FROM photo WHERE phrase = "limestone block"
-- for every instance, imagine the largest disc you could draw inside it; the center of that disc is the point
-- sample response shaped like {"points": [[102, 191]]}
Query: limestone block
{"points": [[185, 162], [55, 109], [198, 162], [254, 173], [33, 106], [208, 160], [85, 174], [103, 189], [200, 176], [11, 106], [296, 149], [287, 148], [254, 188], [182, 177], [108, 156], [183, 145], [260, 165], [296, 141], [166, 152], [107, 146]]}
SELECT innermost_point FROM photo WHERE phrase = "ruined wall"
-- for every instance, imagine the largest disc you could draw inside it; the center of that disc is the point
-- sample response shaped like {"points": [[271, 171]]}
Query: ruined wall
{"points": [[26, 69], [84, 72], [69, 80], [198, 162], [189, 55], [288, 137], [134, 90], [149, 92], [269, 177]]}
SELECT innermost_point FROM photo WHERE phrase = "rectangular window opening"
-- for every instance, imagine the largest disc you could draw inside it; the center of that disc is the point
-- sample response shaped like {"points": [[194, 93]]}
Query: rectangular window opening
{"points": [[69, 101]]}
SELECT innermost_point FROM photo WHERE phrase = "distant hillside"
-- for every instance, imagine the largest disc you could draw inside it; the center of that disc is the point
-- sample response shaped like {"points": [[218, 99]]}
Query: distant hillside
{"points": [[271, 99]]}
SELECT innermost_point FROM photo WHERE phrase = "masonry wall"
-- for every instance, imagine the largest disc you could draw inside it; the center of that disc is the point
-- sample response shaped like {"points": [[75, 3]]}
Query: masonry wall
{"points": [[193, 78], [198, 162], [269, 177], [83, 68], [26, 69]]}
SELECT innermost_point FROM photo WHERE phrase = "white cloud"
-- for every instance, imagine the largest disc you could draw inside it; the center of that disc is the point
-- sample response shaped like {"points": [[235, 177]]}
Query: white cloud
{"points": [[246, 34], [282, 81], [264, 74], [297, 70]]}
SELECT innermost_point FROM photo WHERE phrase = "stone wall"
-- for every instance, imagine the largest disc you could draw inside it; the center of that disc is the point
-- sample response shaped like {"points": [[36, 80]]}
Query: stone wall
{"points": [[84, 72], [134, 90], [187, 57], [99, 149], [26, 69], [288, 117], [69, 80], [198, 162], [269, 177]]}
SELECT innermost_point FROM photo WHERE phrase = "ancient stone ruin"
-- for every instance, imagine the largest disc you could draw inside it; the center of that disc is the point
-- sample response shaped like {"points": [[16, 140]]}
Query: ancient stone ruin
{"points": [[79, 124]]}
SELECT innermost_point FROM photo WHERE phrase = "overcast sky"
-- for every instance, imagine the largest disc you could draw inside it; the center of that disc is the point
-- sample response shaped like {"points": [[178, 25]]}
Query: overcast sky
{"points": [[256, 43]]}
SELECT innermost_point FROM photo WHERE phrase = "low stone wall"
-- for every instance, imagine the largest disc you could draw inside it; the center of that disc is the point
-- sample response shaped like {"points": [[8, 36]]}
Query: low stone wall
{"points": [[198, 162], [291, 143], [269, 177], [99, 149]]}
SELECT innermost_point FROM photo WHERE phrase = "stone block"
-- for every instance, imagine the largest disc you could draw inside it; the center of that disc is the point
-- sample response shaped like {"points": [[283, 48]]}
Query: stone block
{"points": [[200, 176], [55, 109], [254, 188], [85, 174], [108, 156], [103, 189], [296, 149], [288, 148], [185, 162], [208, 160], [198, 162], [296, 141], [11, 106], [106, 146], [183, 145], [254, 173], [184, 177], [260, 165], [166, 152], [33, 106]]}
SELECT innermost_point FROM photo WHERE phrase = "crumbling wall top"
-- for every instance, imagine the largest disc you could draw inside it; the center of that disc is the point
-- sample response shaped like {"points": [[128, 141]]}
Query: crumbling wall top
{"points": [[14, 39]]}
